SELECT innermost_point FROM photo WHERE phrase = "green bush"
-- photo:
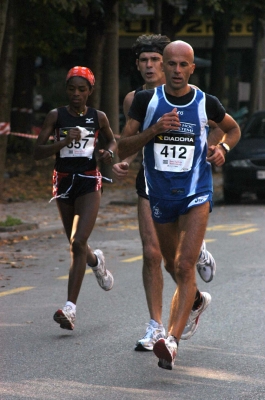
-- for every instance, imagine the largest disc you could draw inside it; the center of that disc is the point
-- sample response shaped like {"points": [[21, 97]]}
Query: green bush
{"points": [[10, 221]]}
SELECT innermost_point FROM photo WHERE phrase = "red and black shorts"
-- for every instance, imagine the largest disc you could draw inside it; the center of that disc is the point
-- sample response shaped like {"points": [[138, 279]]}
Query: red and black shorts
{"points": [[67, 187]]}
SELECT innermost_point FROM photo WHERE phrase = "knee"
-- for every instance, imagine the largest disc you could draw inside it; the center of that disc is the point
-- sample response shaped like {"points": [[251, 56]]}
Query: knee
{"points": [[170, 268], [77, 246], [152, 257], [184, 271]]}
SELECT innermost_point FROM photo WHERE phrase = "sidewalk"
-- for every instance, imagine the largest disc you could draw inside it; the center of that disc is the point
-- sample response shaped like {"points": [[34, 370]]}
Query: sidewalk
{"points": [[41, 217]]}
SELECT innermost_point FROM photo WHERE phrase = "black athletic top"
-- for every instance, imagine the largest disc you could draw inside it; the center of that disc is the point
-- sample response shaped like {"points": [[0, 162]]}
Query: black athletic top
{"points": [[214, 109], [77, 157]]}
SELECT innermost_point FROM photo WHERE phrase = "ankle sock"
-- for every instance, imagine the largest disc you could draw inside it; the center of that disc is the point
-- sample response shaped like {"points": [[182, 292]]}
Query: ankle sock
{"points": [[154, 324], [198, 301], [72, 305], [94, 267], [176, 339]]}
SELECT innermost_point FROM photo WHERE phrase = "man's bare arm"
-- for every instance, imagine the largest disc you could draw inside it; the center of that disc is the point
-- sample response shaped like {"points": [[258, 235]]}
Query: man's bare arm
{"points": [[231, 136], [121, 169], [127, 102], [132, 141], [215, 135]]}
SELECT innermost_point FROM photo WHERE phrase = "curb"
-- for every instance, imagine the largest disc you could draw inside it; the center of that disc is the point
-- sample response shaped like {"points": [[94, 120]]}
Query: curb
{"points": [[25, 230], [19, 228], [26, 234]]}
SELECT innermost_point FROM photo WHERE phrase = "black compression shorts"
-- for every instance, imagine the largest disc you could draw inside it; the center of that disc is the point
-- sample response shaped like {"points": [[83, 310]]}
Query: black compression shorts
{"points": [[140, 184]]}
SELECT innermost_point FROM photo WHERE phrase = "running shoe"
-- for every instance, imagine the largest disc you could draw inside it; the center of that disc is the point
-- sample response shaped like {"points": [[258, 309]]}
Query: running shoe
{"points": [[65, 317], [206, 265], [104, 277], [166, 351], [193, 320], [152, 334]]}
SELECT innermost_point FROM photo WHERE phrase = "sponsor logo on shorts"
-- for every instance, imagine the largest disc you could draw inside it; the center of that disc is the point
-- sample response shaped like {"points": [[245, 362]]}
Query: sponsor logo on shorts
{"points": [[178, 190], [157, 213], [198, 200]]}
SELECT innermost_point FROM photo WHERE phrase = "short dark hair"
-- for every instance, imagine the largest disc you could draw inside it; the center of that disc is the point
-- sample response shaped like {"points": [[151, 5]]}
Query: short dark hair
{"points": [[150, 43]]}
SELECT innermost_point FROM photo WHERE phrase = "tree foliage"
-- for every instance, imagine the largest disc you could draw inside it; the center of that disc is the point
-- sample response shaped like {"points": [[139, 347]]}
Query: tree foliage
{"points": [[65, 5], [47, 30]]}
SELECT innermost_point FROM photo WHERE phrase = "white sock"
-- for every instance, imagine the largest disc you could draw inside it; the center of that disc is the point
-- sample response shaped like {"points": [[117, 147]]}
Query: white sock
{"points": [[69, 303], [153, 323]]}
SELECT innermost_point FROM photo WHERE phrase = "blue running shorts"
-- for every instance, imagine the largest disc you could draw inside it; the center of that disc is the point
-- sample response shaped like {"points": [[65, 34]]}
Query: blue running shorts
{"points": [[164, 211]]}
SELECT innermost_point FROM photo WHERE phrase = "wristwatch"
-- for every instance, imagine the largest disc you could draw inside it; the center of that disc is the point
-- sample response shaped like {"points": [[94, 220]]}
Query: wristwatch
{"points": [[111, 153], [224, 146]]}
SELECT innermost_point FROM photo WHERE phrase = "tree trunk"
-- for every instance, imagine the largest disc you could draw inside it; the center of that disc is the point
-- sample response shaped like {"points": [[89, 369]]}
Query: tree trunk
{"points": [[157, 16], [169, 12], [94, 53], [3, 11], [7, 72], [110, 78], [221, 28], [110, 81], [256, 92], [22, 112]]}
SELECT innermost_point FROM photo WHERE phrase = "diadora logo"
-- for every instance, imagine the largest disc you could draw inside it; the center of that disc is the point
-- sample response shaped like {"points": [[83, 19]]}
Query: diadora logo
{"points": [[89, 120], [179, 138], [160, 137]]}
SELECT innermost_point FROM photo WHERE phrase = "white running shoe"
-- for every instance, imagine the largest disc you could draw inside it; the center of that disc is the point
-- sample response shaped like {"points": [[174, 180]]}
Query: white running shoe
{"points": [[166, 351], [65, 317], [193, 320], [152, 334], [206, 265], [104, 277]]}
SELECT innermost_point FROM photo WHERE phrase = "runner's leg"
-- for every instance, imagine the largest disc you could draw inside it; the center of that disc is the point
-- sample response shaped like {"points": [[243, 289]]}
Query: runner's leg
{"points": [[152, 272], [181, 253], [82, 218]]}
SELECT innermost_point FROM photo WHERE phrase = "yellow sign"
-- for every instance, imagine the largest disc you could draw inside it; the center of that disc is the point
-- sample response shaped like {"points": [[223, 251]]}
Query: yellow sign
{"points": [[198, 27], [195, 27]]}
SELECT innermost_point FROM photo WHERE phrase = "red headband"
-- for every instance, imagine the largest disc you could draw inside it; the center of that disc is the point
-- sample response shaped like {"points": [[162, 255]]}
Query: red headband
{"points": [[83, 72]]}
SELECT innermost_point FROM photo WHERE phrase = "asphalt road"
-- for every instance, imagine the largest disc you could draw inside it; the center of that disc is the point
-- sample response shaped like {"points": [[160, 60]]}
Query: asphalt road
{"points": [[224, 360]]}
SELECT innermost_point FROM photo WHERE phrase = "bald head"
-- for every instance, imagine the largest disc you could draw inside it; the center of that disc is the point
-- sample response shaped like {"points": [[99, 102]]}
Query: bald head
{"points": [[178, 65], [180, 48]]}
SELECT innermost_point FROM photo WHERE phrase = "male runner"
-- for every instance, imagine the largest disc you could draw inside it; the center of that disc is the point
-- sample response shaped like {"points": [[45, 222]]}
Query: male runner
{"points": [[148, 50], [173, 120]]}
